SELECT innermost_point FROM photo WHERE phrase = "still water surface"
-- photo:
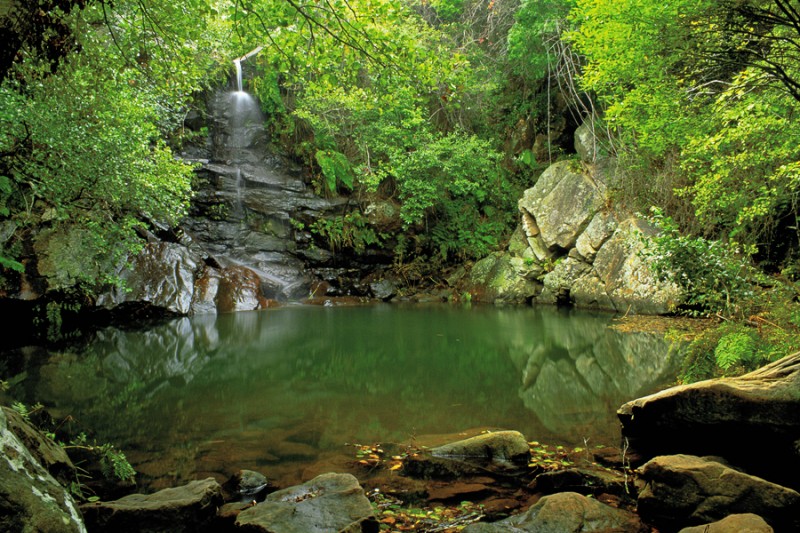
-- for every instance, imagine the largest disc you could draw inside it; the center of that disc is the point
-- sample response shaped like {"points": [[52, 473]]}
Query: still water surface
{"points": [[281, 391]]}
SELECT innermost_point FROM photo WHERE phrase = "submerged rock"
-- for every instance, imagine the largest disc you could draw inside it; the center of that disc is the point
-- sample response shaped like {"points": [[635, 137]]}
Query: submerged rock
{"points": [[566, 511], [30, 498], [328, 503], [502, 447], [684, 490], [187, 509]]}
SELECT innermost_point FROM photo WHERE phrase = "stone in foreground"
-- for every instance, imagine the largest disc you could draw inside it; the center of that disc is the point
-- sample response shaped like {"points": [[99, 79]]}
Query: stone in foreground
{"points": [[30, 498], [740, 523], [685, 490], [186, 509], [566, 511], [326, 504]]}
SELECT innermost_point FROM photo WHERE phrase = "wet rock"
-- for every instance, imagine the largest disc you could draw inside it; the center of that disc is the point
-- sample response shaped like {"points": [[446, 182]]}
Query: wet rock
{"points": [[162, 275], [187, 509], [740, 523], [685, 490], [565, 511], [46, 452], [735, 418], [327, 503], [383, 289], [502, 447], [239, 290], [30, 498], [247, 485]]}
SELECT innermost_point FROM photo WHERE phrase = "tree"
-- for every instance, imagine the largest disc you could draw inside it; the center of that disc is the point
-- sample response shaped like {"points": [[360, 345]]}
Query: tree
{"points": [[83, 160]]}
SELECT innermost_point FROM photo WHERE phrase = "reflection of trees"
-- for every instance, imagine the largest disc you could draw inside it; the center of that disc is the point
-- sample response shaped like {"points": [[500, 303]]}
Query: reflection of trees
{"points": [[385, 372]]}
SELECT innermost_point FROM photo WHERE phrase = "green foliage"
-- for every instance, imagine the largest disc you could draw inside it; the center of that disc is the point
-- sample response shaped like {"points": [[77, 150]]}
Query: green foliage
{"points": [[538, 24], [82, 148], [350, 231], [336, 169], [734, 348], [713, 276]]}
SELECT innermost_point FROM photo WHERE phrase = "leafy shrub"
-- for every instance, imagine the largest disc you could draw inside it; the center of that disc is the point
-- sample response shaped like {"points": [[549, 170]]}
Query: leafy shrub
{"points": [[713, 276]]}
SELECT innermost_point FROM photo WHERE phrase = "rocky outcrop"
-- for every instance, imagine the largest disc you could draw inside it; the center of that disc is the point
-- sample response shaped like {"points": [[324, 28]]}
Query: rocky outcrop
{"points": [[189, 508], [572, 247], [683, 490], [566, 511], [30, 498], [327, 503], [753, 421]]}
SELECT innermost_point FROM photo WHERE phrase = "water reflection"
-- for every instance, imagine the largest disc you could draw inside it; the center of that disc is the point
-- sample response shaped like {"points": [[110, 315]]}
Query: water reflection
{"points": [[280, 389]]}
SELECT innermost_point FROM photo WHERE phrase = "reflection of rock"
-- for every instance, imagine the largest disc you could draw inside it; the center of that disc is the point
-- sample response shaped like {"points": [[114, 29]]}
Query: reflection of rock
{"points": [[30, 499], [577, 374], [327, 503]]}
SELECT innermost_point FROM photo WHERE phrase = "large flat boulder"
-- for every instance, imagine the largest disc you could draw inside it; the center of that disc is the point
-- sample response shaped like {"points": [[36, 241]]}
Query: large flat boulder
{"points": [[328, 503], [685, 490], [753, 421], [189, 508]]}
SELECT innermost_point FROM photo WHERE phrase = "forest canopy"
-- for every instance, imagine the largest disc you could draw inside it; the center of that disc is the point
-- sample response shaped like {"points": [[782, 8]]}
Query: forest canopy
{"points": [[451, 107]]}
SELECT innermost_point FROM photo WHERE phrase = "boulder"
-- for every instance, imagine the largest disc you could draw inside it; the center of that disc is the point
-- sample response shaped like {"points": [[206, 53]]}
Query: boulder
{"points": [[740, 523], [239, 290], [162, 275], [181, 509], [328, 503], [504, 279], [685, 490], [562, 512], [30, 498], [500, 447], [562, 203], [752, 420], [624, 277]]}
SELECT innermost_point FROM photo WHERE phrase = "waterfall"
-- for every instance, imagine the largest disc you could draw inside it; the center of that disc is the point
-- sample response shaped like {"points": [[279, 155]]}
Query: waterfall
{"points": [[238, 64]]}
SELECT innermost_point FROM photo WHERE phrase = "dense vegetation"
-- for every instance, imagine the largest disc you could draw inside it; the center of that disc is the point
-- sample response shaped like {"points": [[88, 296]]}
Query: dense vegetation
{"points": [[447, 107]]}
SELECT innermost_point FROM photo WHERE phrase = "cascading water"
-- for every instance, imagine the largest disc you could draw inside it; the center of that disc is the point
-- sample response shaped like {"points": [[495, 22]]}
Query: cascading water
{"points": [[252, 196]]}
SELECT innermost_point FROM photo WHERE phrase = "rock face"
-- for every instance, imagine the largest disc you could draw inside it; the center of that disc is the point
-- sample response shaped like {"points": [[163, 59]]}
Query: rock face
{"points": [[327, 503], [182, 509], [566, 511], [730, 417], [688, 490], [30, 498], [570, 247]]}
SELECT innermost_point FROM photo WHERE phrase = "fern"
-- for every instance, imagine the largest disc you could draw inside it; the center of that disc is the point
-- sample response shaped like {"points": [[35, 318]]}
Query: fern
{"points": [[733, 349]]}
